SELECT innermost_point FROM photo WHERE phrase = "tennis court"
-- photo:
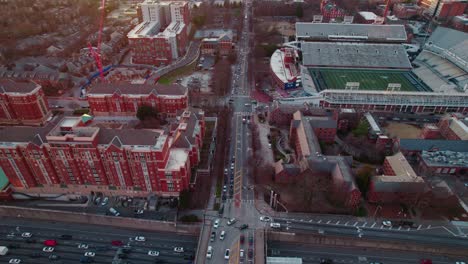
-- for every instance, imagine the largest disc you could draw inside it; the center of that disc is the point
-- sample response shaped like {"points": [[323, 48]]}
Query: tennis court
{"points": [[368, 79]]}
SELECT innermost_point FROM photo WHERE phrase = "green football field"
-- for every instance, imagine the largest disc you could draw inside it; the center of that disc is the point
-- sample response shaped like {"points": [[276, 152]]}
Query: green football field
{"points": [[368, 79]]}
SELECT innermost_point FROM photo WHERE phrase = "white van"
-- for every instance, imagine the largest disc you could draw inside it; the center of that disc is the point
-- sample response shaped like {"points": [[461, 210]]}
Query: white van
{"points": [[275, 225], [209, 252], [222, 235]]}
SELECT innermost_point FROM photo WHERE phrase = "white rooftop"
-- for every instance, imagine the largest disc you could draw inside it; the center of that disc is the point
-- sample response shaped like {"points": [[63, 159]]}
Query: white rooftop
{"points": [[145, 29], [278, 67], [177, 158], [368, 15], [172, 30]]}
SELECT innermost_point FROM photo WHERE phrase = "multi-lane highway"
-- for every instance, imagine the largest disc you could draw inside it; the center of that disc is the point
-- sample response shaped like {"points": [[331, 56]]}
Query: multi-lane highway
{"points": [[315, 253], [97, 239]]}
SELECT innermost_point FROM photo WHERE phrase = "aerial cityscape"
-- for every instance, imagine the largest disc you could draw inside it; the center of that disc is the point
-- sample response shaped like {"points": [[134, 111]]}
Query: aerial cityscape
{"points": [[234, 131]]}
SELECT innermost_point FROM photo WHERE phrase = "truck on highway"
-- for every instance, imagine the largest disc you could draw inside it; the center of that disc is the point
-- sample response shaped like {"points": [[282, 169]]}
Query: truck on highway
{"points": [[3, 251]]}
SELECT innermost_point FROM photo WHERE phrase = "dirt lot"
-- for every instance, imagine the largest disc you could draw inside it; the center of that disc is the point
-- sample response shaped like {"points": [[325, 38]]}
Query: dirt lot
{"points": [[402, 130]]}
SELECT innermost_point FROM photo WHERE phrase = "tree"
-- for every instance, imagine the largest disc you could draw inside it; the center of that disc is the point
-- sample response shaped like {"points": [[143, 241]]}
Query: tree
{"points": [[363, 178], [299, 11], [184, 199], [145, 111]]}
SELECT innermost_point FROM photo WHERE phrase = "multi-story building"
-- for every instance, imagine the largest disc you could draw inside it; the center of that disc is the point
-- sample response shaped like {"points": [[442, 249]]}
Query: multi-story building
{"points": [[70, 157], [443, 9], [443, 162], [22, 102], [460, 23], [180, 12], [330, 11], [215, 41], [149, 46], [164, 12], [454, 127], [123, 99], [405, 10]]}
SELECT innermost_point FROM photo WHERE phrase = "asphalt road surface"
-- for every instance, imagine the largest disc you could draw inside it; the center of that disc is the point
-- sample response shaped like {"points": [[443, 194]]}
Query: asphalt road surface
{"points": [[11, 231], [313, 254]]}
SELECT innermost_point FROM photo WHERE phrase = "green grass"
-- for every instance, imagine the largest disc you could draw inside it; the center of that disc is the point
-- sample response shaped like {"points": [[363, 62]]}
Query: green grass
{"points": [[368, 79], [170, 77]]}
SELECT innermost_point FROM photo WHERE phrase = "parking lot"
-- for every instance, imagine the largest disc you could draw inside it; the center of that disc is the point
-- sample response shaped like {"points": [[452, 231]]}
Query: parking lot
{"points": [[104, 244]]}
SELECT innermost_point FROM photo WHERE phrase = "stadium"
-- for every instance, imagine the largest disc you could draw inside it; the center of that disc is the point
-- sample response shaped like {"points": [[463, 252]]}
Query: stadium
{"points": [[366, 67]]}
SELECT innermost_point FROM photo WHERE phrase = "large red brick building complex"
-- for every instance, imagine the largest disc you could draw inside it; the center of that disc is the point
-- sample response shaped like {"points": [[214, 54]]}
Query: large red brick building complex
{"points": [[70, 157], [123, 99], [22, 102]]}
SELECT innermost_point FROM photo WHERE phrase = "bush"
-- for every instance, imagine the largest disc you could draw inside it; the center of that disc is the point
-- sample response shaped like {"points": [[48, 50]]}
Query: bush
{"points": [[189, 218], [361, 211]]}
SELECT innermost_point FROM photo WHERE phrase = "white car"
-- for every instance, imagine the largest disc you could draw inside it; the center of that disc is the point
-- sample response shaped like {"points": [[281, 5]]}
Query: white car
{"points": [[460, 262], [241, 254], [179, 249], [26, 235], [140, 238], [231, 221], [222, 235], [216, 223], [48, 249], [275, 225], [89, 254], [153, 253], [14, 261], [209, 252], [85, 246], [387, 223], [226, 254], [265, 218]]}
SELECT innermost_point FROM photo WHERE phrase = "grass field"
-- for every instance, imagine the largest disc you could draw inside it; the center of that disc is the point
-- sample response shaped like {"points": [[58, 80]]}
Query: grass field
{"points": [[368, 79]]}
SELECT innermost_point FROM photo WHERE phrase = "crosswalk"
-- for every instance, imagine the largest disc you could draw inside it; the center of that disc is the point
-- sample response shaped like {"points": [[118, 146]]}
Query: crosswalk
{"points": [[242, 113], [244, 201]]}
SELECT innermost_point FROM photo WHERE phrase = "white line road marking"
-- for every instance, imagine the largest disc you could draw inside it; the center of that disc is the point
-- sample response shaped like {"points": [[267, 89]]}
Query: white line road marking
{"points": [[310, 221], [373, 225], [381, 227], [346, 223], [419, 227], [399, 228], [365, 223], [429, 226], [319, 221], [355, 224], [337, 222], [328, 221], [409, 228]]}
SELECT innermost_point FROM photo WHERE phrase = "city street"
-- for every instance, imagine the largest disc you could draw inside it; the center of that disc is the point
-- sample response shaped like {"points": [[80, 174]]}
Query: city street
{"points": [[97, 240], [313, 254]]}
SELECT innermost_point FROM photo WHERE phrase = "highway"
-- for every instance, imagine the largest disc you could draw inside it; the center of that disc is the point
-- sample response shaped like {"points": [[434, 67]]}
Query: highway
{"points": [[97, 238], [313, 254], [377, 231]]}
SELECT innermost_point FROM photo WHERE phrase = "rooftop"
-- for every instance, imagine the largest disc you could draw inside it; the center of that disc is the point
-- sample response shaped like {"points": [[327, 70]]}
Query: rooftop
{"points": [[145, 29], [17, 87], [137, 89], [445, 158], [283, 260], [172, 30], [279, 68], [368, 15], [433, 145], [344, 54], [362, 32], [177, 158], [130, 137], [401, 167], [213, 33]]}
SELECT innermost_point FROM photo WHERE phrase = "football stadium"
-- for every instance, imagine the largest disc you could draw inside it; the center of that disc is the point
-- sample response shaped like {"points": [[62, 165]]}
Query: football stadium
{"points": [[366, 67]]}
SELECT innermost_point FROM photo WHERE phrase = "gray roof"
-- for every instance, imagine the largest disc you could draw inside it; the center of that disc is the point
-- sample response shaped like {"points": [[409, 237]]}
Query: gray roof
{"points": [[10, 86], [142, 137], [322, 122], [434, 144], [344, 54], [450, 43], [213, 33], [362, 32], [24, 134], [145, 89]]}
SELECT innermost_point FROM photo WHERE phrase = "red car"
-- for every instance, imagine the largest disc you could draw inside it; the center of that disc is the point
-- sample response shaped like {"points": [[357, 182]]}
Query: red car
{"points": [[50, 243], [242, 238], [426, 261], [117, 243]]}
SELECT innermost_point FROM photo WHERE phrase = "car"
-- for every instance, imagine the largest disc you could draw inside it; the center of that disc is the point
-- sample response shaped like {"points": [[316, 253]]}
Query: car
{"points": [[14, 261], [66, 237], [114, 212], [89, 254], [97, 200], [139, 211], [241, 254], [153, 253], [426, 261], [250, 253], [82, 245], [251, 239], [231, 221], [54, 257], [213, 236], [222, 235], [209, 252], [48, 249], [117, 243], [265, 218], [226, 254], [224, 188], [31, 240], [275, 225], [50, 243], [179, 249], [460, 262], [216, 223], [26, 234], [387, 223], [84, 259], [242, 239], [105, 201], [140, 238], [244, 226]]}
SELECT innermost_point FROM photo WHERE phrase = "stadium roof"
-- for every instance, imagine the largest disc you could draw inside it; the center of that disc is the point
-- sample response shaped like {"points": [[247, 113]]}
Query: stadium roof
{"points": [[351, 32], [453, 44], [344, 54]]}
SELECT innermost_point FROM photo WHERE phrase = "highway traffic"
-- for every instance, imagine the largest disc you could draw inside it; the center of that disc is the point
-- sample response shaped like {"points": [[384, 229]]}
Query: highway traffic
{"points": [[48, 242]]}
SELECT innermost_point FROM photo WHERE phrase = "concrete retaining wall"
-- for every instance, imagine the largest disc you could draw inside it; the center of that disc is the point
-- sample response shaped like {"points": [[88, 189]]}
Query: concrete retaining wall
{"points": [[83, 218], [363, 243]]}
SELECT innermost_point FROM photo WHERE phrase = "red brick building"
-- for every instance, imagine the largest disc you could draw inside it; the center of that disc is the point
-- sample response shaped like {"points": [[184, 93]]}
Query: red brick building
{"points": [[22, 102], [405, 11], [443, 162], [70, 157], [123, 99], [330, 10], [454, 127], [430, 131]]}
